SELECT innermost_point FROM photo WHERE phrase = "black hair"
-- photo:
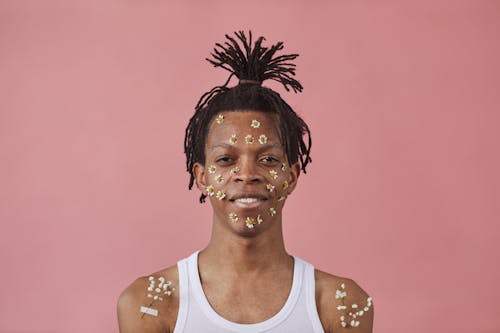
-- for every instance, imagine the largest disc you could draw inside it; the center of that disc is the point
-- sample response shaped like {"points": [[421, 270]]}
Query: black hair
{"points": [[251, 66]]}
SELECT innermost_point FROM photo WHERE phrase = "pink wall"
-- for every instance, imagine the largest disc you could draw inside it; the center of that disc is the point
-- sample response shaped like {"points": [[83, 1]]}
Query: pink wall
{"points": [[403, 194]]}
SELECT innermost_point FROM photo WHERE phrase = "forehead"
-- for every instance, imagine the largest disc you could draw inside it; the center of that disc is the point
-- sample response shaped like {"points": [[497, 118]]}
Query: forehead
{"points": [[240, 123]]}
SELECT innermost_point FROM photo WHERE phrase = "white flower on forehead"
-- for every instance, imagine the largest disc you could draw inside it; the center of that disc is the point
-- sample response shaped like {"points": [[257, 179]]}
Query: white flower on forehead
{"points": [[220, 119], [262, 139], [259, 219], [220, 195], [270, 187], [233, 139], [211, 169], [255, 123], [272, 211], [283, 166], [219, 179], [233, 217], [274, 174], [249, 222], [285, 185], [234, 170], [248, 139], [210, 190]]}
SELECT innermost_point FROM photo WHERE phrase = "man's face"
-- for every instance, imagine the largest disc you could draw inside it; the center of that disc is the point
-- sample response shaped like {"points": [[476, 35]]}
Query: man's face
{"points": [[246, 175]]}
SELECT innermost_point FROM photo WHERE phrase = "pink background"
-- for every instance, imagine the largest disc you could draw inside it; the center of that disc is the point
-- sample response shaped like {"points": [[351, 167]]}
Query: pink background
{"points": [[403, 194]]}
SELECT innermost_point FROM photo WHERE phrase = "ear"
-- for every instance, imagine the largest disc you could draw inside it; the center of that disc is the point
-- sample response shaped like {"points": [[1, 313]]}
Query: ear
{"points": [[293, 174], [199, 176]]}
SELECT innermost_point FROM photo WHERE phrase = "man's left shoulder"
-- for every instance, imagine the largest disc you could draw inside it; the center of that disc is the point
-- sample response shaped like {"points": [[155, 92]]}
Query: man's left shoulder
{"points": [[343, 306]]}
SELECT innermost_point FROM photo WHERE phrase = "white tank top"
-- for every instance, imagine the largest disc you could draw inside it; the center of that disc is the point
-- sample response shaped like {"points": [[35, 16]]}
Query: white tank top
{"points": [[298, 315]]}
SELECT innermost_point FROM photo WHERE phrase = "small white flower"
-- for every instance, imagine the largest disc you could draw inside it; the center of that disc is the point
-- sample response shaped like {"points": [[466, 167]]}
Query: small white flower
{"points": [[249, 222], [155, 297], [233, 139], [162, 279], [343, 324], [157, 290], [255, 123], [272, 211], [220, 195], [283, 166], [233, 217], [220, 119], [234, 170], [341, 307], [285, 184], [270, 187], [210, 190], [281, 198], [211, 169], [259, 219], [219, 179], [151, 278], [273, 174], [150, 288], [150, 296], [366, 308], [342, 286], [262, 139], [248, 139], [354, 306]]}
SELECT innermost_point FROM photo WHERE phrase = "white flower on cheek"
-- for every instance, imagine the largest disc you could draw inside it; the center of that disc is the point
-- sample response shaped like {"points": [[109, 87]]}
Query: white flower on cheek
{"points": [[259, 219], [273, 174], [285, 185], [283, 167], [272, 211], [210, 190], [234, 170], [211, 169], [270, 187], [219, 179], [220, 195]]}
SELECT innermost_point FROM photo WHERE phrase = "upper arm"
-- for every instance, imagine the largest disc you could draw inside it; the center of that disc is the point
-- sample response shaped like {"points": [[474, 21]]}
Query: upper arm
{"points": [[354, 309], [335, 305], [130, 319]]}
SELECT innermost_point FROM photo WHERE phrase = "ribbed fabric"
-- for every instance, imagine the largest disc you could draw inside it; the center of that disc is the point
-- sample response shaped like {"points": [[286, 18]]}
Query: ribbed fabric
{"points": [[298, 315]]}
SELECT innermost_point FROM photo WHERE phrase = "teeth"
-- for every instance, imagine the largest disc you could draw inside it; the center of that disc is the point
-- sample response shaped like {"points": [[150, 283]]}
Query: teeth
{"points": [[246, 200]]}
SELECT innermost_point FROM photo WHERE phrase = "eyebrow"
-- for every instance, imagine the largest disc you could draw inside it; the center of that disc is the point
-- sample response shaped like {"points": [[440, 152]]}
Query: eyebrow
{"points": [[261, 148]]}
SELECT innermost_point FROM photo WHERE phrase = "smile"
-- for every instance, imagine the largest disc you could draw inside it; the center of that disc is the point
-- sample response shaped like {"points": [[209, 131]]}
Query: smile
{"points": [[248, 202]]}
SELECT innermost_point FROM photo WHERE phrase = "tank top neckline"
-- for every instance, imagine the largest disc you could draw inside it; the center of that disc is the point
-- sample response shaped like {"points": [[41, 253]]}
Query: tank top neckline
{"points": [[281, 315]]}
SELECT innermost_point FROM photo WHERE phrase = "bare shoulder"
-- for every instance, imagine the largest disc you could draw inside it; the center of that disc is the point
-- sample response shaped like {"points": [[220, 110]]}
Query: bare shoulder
{"points": [[343, 306], [157, 294]]}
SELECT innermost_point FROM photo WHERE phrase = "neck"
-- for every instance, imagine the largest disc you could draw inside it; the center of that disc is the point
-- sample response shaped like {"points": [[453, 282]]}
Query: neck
{"points": [[241, 255]]}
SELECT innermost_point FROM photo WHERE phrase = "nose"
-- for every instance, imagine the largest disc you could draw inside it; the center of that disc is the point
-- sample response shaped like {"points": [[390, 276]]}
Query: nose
{"points": [[248, 173]]}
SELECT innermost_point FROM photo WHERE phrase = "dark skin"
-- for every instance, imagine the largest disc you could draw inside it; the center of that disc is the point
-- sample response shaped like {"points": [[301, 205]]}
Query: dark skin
{"points": [[246, 273]]}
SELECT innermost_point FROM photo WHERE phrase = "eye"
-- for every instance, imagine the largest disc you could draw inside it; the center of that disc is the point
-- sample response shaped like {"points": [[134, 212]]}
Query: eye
{"points": [[269, 159], [224, 159]]}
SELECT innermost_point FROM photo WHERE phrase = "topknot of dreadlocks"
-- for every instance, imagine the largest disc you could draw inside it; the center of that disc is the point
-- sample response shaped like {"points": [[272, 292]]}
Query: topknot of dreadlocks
{"points": [[253, 65]]}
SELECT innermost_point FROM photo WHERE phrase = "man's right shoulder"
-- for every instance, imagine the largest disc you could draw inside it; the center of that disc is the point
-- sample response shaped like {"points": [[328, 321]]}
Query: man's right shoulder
{"points": [[158, 295]]}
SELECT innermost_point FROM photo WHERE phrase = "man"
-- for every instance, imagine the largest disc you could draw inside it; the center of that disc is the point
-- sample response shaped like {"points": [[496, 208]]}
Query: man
{"points": [[245, 151]]}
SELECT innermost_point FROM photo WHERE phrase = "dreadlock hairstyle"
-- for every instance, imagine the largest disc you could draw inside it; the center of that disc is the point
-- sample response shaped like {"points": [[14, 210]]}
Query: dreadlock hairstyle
{"points": [[251, 66]]}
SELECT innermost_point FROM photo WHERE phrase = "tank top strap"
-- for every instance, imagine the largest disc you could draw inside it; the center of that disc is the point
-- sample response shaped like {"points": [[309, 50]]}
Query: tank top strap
{"points": [[182, 267], [310, 291]]}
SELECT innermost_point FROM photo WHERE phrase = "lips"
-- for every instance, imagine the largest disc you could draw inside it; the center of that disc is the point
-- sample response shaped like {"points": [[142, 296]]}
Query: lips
{"points": [[248, 201]]}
